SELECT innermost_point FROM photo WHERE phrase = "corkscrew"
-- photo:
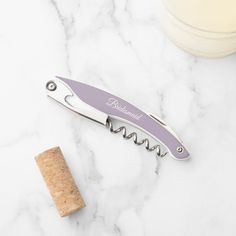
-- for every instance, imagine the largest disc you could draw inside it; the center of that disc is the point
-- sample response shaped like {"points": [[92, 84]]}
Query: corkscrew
{"points": [[103, 107], [134, 135]]}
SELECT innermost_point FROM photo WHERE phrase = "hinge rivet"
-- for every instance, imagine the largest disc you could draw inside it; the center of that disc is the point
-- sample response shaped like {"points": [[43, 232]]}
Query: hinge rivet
{"points": [[180, 149], [51, 86]]}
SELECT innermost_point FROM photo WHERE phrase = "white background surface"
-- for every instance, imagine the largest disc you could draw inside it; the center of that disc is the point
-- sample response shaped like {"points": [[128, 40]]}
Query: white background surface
{"points": [[118, 46]]}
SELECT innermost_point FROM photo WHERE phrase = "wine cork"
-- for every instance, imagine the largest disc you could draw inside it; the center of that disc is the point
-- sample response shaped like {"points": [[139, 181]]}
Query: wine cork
{"points": [[60, 182]]}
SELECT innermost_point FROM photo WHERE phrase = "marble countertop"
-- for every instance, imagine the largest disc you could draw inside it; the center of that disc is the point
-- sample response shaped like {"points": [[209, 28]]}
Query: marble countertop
{"points": [[118, 46]]}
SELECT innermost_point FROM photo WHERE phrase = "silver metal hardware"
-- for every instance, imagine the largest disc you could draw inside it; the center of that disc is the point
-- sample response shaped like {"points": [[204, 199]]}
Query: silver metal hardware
{"points": [[180, 149], [63, 94], [134, 135], [51, 86]]}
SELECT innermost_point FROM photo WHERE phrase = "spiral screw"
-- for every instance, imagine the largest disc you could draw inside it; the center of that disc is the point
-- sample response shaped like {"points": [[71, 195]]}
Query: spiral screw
{"points": [[134, 135]]}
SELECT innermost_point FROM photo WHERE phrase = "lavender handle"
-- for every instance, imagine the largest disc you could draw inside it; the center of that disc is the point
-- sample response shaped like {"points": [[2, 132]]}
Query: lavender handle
{"points": [[116, 107]]}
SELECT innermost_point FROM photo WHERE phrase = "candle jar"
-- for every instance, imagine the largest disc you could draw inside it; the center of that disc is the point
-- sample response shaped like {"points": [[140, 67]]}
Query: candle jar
{"points": [[201, 27]]}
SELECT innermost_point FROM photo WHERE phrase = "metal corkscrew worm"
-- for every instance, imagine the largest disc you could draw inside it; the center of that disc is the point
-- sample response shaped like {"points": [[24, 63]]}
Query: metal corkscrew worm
{"points": [[134, 135]]}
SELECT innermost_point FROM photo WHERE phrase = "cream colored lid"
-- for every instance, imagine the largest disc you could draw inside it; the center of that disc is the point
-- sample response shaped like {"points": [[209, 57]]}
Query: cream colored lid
{"points": [[209, 15]]}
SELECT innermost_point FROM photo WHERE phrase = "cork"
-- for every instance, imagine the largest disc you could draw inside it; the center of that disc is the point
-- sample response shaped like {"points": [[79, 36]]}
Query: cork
{"points": [[60, 182]]}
